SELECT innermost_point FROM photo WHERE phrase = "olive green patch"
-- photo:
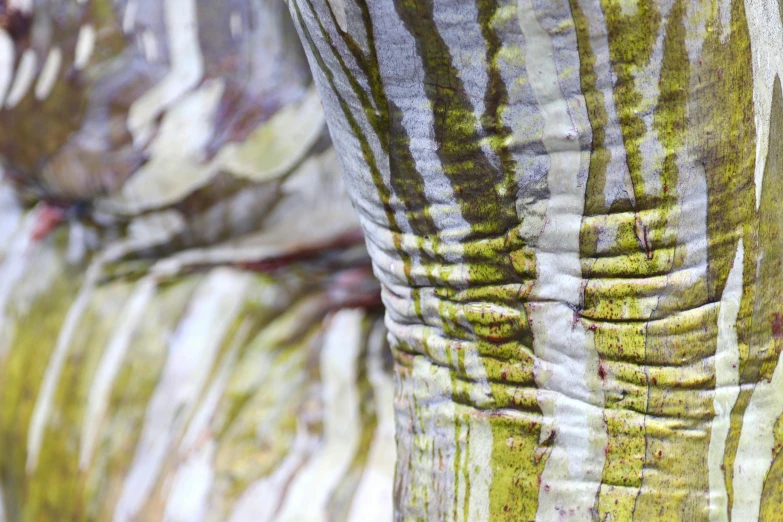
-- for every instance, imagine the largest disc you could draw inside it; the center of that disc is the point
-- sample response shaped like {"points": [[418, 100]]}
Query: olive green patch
{"points": [[724, 135], [595, 200], [772, 492], [53, 491], [631, 39], [497, 133], [768, 309], [615, 299], [367, 154], [129, 399], [480, 190], [342, 498], [21, 373], [518, 459], [767, 332]]}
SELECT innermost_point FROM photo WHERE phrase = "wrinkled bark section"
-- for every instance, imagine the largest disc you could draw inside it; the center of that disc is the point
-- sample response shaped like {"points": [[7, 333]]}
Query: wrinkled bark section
{"points": [[564, 203]]}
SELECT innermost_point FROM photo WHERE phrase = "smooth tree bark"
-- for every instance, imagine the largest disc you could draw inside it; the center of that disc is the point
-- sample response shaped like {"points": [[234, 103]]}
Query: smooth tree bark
{"points": [[189, 326], [573, 208]]}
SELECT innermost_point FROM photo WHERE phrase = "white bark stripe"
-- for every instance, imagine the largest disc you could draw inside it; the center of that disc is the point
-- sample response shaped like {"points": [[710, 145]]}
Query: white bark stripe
{"points": [[129, 16], [109, 367], [618, 178], [192, 352], [14, 266], [310, 492], [85, 45], [22, 5], [43, 403], [433, 421], [6, 64], [766, 41], [199, 425], [49, 72], [726, 385], [480, 472], [338, 9], [567, 364], [2, 504], [187, 68], [187, 501], [373, 498], [254, 504], [150, 45], [755, 451], [23, 79]]}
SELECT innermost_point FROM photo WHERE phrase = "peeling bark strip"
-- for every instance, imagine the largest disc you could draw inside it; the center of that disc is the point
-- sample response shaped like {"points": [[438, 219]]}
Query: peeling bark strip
{"points": [[566, 366], [582, 197]]}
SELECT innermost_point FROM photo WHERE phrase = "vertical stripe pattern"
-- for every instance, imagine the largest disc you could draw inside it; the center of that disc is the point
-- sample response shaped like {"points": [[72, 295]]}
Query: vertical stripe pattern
{"points": [[617, 331]]}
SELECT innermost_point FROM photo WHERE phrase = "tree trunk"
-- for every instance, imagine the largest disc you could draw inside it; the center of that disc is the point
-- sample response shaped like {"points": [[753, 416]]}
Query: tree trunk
{"points": [[571, 206]]}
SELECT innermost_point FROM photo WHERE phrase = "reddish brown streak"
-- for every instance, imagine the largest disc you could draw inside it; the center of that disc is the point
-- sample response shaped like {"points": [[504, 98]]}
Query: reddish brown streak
{"points": [[15, 22], [304, 253], [777, 325], [50, 218]]}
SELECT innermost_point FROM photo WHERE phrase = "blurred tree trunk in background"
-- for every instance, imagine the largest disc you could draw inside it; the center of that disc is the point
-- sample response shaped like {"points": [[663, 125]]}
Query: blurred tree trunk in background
{"points": [[189, 328], [573, 207]]}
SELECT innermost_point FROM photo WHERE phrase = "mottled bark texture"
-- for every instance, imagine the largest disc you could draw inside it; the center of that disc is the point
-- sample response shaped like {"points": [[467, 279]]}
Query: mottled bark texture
{"points": [[574, 209], [189, 327]]}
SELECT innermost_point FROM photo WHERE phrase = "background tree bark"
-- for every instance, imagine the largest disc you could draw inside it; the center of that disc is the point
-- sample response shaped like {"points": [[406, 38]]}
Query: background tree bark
{"points": [[189, 328], [571, 207]]}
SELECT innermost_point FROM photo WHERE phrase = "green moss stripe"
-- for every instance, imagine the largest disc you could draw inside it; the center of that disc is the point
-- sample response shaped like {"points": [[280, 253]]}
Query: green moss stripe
{"points": [[768, 311], [375, 110], [772, 494], [477, 183], [385, 118], [620, 345], [496, 96], [21, 374], [631, 40], [623, 384], [678, 344], [367, 154], [724, 135], [595, 201]]}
